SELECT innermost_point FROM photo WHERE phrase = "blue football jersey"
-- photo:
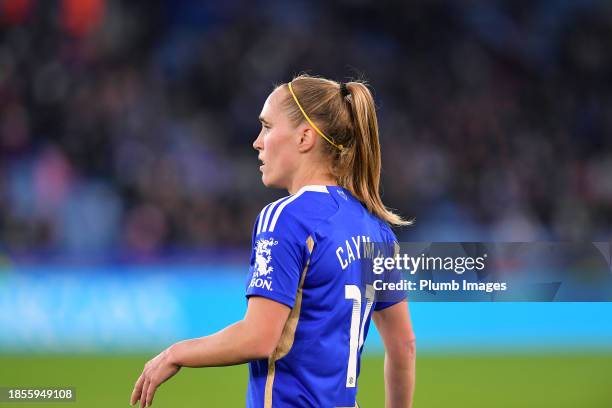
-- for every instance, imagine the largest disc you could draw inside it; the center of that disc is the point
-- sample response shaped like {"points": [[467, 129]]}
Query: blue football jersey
{"points": [[307, 254]]}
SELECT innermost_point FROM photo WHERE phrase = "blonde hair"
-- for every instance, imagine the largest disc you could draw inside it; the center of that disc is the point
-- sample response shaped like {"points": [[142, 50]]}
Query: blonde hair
{"points": [[349, 119]]}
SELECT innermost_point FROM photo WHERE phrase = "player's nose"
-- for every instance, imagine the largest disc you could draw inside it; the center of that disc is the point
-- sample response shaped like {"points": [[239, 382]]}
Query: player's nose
{"points": [[257, 143]]}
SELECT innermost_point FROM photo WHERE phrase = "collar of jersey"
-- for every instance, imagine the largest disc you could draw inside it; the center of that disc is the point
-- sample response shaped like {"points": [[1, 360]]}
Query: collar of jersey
{"points": [[313, 187]]}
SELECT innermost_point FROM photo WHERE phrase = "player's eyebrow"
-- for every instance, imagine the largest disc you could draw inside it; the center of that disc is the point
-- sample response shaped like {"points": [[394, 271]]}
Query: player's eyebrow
{"points": [[263, 120]]}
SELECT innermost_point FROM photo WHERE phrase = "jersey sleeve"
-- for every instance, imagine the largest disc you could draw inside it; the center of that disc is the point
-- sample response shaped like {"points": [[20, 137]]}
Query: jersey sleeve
{"points": [[277, 260], [391, 297]]}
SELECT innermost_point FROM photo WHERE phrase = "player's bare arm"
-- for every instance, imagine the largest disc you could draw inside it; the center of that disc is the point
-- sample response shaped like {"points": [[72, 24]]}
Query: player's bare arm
{"points": [[397, 334], [252, 338]]}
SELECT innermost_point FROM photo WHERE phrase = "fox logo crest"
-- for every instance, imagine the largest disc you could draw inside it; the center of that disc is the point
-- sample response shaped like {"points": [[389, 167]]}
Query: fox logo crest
{"points": [[263, 256]]}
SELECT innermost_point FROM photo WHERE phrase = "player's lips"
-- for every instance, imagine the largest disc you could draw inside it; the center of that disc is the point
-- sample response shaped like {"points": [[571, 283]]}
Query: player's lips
{"points": [[262, 163]]}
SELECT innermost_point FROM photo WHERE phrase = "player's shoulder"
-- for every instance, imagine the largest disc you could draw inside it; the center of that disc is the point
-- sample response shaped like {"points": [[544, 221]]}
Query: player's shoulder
{"points": [[387, 232], [384, 232], [306, 206], [385, 227]]}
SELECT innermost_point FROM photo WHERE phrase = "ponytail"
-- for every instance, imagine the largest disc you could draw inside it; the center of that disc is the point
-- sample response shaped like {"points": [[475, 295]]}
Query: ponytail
{"points": [[362, 160], [346, 113]]}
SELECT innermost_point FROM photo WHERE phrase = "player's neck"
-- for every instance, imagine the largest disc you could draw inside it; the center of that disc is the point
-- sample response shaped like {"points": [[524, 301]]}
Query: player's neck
{"points": [[322, 180]]}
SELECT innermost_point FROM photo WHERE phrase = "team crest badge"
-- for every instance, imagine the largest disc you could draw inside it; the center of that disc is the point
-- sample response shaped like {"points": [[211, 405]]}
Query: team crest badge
{"points": [[263, 257]]}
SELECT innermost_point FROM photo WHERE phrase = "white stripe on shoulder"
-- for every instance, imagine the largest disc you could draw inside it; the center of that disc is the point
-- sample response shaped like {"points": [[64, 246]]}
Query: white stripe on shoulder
{"points": [[264, 227], [279, 209], [261, 216], [264, 215]]}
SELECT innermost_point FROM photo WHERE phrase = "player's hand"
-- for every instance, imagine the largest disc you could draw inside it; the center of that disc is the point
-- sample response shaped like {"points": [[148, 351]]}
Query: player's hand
{"points": [[155, 373]]}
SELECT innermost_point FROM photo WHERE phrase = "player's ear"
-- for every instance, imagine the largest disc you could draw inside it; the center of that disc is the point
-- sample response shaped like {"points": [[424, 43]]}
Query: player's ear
{"points": [[306, 139]]}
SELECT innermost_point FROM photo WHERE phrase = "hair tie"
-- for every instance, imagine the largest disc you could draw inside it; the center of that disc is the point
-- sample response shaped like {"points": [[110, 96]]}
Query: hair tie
{"points": [[343, 89]]}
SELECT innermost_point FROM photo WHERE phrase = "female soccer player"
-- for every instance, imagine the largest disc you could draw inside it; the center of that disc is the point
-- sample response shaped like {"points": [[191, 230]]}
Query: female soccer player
{"points": [[308, 314]]}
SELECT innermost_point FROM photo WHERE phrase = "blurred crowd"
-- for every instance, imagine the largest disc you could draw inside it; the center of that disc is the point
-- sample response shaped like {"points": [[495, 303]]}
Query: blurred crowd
{"points": [[127, 126]]}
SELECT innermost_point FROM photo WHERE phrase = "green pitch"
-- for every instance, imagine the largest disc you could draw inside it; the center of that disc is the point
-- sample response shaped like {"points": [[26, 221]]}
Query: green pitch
{"points": [[442, 381]]}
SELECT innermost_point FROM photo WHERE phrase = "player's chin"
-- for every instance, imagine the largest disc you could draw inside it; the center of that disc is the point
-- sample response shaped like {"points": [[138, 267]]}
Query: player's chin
{"points": [[265, 179], [269, 181]]}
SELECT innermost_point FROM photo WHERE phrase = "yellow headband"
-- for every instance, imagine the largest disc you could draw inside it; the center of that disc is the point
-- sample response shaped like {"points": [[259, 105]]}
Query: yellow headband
{"points": [[337, 146]]}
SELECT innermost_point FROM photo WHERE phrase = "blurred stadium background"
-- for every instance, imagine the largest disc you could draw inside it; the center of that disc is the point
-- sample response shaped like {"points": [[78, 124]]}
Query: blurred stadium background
{"points": [[128, 184]]}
